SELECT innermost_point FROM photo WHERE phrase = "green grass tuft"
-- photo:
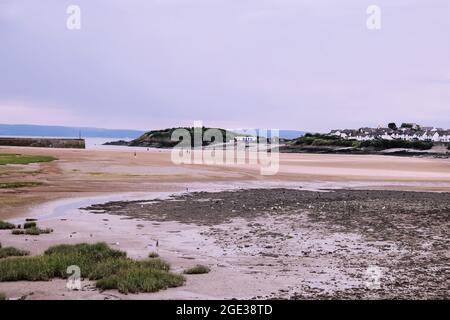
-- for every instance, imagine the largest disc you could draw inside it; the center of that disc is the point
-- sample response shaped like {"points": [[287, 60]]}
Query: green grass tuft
{"points": [[198, 269], [140, 279], [32, 231], [23, 159], [6, 225], [28, 225], [22, 184], [12, 252], [110, 268]]}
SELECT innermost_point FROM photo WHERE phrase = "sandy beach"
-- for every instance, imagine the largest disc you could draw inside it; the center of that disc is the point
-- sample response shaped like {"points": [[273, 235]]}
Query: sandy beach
{"points": [[286, 247]]}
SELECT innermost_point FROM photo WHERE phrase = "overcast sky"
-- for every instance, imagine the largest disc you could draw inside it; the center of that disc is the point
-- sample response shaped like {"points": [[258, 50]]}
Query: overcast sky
{"points": [[288, 64]]}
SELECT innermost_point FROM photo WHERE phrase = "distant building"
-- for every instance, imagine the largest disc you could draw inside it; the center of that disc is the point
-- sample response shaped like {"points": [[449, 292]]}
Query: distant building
{"points": [[412, 132], [245, 139]]}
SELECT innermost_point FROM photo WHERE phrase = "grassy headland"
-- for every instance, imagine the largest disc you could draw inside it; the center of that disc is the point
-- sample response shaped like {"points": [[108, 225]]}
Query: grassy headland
{"points": [[379, 144], [329, 143], [163, 138]]}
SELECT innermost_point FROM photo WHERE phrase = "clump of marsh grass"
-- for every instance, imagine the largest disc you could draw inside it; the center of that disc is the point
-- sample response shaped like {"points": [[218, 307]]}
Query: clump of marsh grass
{"points": [[22, 184], [35, 231], [111, 269], [153, 255], [11, 252], [138, 279], [6, 225], [198, 269], [31, 228], [28, 225]]}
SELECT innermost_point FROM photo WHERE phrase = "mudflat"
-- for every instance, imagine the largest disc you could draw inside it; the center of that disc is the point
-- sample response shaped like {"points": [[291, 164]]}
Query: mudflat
{"points": [[404, 235]]}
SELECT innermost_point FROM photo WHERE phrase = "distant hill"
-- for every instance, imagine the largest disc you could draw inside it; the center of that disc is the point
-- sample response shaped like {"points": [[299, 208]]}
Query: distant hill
{"points": [[327, 143], [26, 130], [163, 138]]}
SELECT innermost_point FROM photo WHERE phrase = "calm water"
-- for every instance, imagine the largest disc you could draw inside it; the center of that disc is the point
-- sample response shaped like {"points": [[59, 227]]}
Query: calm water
{"points": [[95, 143]]}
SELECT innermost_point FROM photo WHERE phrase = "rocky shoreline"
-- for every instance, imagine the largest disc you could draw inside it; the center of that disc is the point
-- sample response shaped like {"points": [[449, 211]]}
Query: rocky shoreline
{"points": [[358, 151]]}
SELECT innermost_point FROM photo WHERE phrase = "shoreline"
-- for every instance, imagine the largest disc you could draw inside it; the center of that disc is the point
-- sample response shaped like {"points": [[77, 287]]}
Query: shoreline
{"points": [[399, 152]]}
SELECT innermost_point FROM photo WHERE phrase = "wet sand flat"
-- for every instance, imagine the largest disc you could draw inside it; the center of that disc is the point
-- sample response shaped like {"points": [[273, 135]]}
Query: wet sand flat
{"points": [[93, 172]]}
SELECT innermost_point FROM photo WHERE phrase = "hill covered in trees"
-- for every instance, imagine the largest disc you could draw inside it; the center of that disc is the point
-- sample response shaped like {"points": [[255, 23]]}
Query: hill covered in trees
{"points": [[163, 138]]}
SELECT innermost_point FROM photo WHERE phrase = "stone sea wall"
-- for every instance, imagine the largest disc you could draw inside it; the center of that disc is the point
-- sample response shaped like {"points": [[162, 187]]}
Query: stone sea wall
{"points": [[43, 142]]}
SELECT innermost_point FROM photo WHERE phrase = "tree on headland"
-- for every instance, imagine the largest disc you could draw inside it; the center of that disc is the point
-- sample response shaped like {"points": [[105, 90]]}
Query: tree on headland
{"points": [[407, 125], [412, 126], [392, 126]]}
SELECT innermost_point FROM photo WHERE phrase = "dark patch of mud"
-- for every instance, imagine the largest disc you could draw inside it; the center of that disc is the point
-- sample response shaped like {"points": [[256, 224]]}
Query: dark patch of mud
{"points": [[408, 231]]}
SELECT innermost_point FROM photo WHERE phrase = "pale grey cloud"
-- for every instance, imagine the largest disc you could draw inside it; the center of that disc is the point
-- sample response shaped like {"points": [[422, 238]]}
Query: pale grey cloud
{"points": [[289, 64]]}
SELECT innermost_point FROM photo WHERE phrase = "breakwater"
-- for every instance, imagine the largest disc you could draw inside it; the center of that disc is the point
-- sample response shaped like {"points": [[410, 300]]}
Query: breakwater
{"points": [[43, 142]]}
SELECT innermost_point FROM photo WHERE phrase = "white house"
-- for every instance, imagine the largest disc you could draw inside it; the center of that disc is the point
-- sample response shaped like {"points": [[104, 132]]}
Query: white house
{"points": [[246, 139], [416, 133]]}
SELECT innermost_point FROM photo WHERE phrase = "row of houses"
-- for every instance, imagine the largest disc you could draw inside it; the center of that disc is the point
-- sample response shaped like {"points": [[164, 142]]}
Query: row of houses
{"points": [[409, 134]]}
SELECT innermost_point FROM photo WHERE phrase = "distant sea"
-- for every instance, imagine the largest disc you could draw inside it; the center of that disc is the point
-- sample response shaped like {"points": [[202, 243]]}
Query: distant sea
{"points": [[94, 137], [21, 130], [97, 144], [91, 143]]}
